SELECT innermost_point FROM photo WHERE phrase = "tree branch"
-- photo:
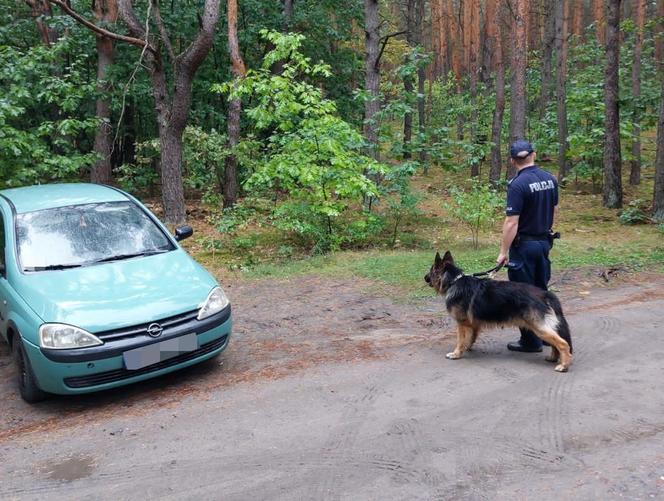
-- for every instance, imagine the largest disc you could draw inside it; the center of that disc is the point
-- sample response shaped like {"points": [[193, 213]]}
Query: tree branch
{"points": [[385, 40], [163, 34], [129, 17], [101, 31], [195, 53]]}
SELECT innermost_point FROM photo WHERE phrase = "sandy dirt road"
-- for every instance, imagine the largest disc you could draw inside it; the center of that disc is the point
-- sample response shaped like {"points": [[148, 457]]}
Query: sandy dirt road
{"points": [[327, 392]]}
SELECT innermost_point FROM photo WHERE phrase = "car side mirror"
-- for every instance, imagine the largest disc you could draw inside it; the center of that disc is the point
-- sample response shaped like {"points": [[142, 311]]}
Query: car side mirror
{"points": [[183, 232]]}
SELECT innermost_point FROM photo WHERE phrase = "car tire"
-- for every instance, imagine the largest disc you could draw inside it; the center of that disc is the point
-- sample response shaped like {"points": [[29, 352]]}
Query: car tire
{"points": [[27, 383]]}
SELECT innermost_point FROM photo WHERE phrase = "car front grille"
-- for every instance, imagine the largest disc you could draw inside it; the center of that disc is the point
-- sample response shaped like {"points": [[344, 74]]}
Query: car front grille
{"points": [[121, 374], [138, 330]]}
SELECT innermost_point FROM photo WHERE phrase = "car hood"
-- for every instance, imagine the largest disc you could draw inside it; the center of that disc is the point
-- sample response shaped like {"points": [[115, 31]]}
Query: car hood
{"points": [[119, 293]]}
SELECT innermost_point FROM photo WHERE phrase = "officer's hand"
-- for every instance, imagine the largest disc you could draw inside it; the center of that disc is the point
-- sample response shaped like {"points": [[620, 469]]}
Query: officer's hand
{"points": [[501, 260]]}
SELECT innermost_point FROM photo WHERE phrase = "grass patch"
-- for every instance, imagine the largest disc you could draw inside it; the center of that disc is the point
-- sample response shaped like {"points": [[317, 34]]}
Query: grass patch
{"points": [[401, 273], [591, 237]]}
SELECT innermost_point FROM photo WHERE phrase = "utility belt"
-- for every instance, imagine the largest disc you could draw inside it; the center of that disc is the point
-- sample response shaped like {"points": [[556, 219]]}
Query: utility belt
{"points": [[543, 237]]}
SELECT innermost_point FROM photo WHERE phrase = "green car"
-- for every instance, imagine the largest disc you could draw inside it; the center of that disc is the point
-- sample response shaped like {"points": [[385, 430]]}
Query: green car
{"points": [[97, 294]]}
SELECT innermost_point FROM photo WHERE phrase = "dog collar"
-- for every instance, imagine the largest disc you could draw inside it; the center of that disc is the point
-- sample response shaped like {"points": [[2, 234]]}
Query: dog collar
{"points": [[457, 277]]}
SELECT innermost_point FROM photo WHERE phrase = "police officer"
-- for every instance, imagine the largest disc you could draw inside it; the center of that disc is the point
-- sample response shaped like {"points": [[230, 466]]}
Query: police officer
{"points": [[532, 196]]}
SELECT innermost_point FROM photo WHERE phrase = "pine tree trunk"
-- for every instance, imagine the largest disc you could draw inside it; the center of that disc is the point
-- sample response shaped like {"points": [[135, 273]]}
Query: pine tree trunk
{"points": [[466, 32], [659, 41], [230, 185], [456, 43], [561, 81], [421, 76], [101, 170], [230, 188], [612, 158], [547, 55], [635, 163], [600, 18], [407, 119], [288, 14], [171, 121], [658, 192], [473, 69], [408, 79], [436, 38], [41, 10], [576, 9], [496, 42], [105, 12], [172, 189], [445, 33], [518, 88], [372, 77]]}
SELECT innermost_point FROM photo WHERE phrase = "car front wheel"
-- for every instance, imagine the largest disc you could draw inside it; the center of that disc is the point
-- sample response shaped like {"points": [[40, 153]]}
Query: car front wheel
{"points": [[27, 384]]}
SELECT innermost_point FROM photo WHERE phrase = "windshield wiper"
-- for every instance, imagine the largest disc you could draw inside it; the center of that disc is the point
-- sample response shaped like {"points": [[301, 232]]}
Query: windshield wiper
{"points": [[52, 267], [120, 257]]}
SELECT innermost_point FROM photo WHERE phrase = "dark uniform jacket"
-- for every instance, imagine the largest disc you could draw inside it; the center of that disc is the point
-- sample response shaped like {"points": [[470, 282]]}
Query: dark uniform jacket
{"points": [[532, 195]]}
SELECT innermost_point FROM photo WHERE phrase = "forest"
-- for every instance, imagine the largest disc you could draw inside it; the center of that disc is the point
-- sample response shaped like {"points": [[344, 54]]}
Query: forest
{"points": [[309, 126]]}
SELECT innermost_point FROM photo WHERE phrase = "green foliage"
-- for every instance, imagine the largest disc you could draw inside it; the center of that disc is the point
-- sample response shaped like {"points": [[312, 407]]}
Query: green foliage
{"points": [[233, 218], [634, 213], [477, 207], [585, 111], [210, 244], [310, 156], [449, 135], [45, 130], [203, 161]]}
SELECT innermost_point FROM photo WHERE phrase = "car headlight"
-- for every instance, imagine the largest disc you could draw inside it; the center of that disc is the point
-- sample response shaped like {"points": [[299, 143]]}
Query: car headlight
{"points": [[63, 336], [215, 302]]}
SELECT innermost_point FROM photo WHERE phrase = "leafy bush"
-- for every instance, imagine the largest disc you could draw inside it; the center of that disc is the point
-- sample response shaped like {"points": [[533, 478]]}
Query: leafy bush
{"points": [[202, 163], [233, 218], [45, 132], [476, 207], [635, 213], [210, 244], [311, 157]]}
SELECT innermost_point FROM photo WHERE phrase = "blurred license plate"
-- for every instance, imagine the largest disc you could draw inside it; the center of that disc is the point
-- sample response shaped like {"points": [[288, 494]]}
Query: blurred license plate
{"points": [[158, 352]]}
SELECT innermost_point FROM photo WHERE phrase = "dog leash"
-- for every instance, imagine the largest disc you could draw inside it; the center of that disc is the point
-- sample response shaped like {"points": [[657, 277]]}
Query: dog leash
{"points": [[490, 273]]}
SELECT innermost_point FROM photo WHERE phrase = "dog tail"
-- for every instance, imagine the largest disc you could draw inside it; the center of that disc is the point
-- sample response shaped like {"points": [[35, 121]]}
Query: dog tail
{"points": [[563, 327]]}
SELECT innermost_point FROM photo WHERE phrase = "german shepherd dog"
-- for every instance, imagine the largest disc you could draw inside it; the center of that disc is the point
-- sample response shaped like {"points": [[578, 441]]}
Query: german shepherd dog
{"points": [[475, 303]]}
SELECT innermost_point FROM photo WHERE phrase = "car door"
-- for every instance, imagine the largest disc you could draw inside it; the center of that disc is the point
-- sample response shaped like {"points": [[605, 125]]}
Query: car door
{"points": [[4, 284]]}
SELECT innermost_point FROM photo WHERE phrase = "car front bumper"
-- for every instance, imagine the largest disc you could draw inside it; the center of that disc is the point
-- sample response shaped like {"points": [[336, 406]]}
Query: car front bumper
{"points": [[74, 373]]}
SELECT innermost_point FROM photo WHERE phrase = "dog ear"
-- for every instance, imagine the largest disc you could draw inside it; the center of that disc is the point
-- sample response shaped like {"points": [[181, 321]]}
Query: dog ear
{"points": [[437, 261], [447, 258]]}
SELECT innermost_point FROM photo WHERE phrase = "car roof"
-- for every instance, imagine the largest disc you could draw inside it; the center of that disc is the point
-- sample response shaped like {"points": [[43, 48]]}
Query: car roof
{"points": [[49, 196]]}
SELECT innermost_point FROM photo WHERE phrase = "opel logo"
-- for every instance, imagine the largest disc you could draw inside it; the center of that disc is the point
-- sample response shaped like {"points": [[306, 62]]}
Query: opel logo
{"points": [[155, 330]]}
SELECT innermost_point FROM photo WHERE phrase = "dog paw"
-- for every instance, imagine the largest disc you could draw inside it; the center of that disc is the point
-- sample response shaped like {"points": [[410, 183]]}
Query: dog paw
{"points": [[561, 368], [453, 355]]}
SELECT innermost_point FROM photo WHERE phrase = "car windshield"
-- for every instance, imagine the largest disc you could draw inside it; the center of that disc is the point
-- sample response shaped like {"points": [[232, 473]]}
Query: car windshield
{"points": [[80, 235]]}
